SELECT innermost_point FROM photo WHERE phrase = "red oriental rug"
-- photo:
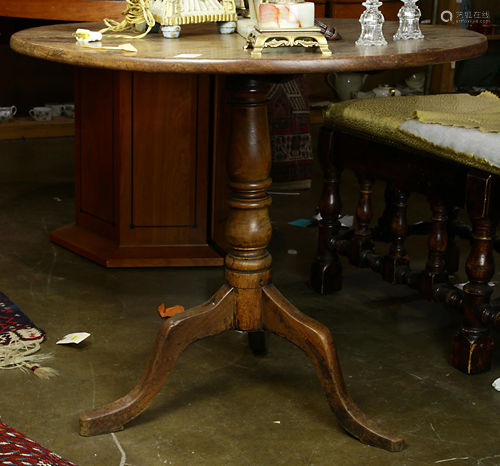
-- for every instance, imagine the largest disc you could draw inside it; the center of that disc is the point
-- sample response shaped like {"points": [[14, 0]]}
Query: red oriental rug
{"points": [[18, 450], [290, 132], [20, 339]]}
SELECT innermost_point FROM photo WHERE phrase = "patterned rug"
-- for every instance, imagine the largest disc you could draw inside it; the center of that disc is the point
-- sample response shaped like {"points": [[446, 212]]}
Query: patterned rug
{"points": [[20, 339], [18, 450], [289, 127]]}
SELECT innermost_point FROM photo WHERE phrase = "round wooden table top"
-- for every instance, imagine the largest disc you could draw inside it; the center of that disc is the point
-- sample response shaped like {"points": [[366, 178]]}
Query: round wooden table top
{"points": [[202, 49]]}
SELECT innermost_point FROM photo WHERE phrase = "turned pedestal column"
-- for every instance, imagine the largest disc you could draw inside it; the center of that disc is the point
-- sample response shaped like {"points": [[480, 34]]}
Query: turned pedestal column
{"points": [[247, 301]]}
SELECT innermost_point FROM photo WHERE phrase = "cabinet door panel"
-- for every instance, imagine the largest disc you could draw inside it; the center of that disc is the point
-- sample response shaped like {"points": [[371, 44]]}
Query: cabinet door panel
{"points": [[96, 154], [168, 166]]}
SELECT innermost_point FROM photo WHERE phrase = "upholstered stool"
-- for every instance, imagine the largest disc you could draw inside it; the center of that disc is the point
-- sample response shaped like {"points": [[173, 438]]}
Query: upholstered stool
{"points": [[446, 147]]}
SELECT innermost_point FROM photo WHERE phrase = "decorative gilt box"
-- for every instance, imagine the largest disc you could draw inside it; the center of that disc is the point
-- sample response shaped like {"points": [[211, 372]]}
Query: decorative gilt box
{"points": [[178, 12]]}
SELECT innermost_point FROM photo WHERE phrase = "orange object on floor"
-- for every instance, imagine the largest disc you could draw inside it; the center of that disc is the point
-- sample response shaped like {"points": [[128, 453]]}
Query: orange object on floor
{"points": [[169, 311]]}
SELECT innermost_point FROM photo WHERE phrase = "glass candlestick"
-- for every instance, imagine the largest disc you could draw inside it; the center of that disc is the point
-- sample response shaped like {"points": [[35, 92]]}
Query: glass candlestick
{"points": [[371, 24], [409, 16]]}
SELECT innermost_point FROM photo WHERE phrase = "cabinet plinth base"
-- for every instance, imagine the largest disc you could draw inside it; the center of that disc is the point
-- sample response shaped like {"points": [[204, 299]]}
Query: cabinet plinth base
{"points": [[109, 254]]}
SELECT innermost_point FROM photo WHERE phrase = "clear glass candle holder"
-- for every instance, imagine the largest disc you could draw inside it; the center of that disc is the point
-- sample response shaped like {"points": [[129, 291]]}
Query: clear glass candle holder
{"points": [[409, 17], [371, 24]]}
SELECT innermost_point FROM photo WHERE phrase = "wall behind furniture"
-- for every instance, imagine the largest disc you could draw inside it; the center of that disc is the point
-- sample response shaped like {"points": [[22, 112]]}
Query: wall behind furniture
{"points": [[492, 6], [320, 91], [28, 82]]}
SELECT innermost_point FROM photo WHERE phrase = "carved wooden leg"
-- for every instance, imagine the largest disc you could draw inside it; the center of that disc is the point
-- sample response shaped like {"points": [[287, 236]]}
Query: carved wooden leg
{"points": [[399, 229], [247, 302], [435, 268], [258, 306], [283, 319], [175, 335], [472, 346], [326, 270], [362, 239]]}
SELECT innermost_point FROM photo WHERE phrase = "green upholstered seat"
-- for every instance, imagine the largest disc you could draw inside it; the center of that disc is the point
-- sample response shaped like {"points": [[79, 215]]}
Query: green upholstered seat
{"points": [[467, 126]]}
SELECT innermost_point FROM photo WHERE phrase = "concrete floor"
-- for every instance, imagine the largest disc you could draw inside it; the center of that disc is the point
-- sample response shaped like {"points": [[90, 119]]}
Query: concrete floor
{"points": [[221, 404]]}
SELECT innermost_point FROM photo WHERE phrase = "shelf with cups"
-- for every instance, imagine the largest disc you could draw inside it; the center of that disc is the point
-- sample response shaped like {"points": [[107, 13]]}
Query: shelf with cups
{"points": [[52, 120], [28, 128]]}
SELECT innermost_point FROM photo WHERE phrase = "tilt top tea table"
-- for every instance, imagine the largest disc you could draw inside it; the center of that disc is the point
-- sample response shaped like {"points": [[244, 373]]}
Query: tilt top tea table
{"points": [[247, 301]]}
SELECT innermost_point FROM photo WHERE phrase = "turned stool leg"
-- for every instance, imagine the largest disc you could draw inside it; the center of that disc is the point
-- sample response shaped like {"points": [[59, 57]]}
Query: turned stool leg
{"points": [[362, 239], [435, 268], [472, 346], [326, 270], [399, 230]]}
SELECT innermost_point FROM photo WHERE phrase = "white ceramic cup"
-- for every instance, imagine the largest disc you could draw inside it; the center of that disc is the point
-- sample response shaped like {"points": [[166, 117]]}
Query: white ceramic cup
{"points": [[69, 109], [57, 109], [171, 32], [346, 84], [7, 113], [41, 113]]}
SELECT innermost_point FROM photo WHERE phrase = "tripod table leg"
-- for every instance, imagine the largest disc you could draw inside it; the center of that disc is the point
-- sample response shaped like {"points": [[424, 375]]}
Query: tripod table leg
{"points": [[283, 319], [175, 335]]}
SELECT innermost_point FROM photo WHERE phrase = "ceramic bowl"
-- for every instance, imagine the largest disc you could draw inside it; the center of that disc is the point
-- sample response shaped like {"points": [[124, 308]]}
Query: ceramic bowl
{"points": [[171, 32], [415, 81], [227, 27], [386, 91]]}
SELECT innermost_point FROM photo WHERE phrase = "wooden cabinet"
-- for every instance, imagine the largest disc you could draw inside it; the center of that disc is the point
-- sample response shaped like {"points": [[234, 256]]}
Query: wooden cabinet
{"points": [[354, 9], [150, 174], [143, 170], [63, 10]]}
